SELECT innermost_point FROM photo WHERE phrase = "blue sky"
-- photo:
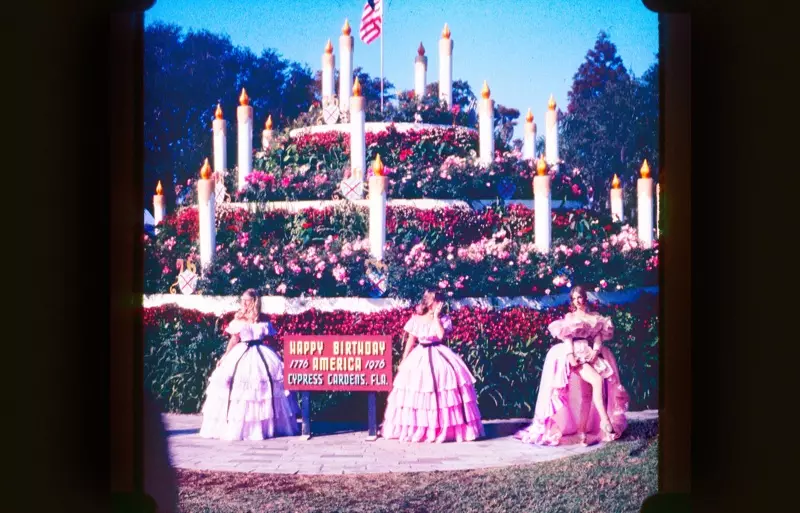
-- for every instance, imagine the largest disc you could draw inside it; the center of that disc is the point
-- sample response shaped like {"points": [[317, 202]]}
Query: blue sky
{"points": [[526, 50]]}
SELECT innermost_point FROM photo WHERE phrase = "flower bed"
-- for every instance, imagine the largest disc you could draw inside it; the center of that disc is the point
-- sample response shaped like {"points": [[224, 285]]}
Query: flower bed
{"points": [[503, 348], [465, 253], [436, 163]]}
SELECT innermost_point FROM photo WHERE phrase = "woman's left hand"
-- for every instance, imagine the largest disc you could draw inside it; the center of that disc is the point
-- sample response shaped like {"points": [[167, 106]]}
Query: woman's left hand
{"points": [[592, 356]]}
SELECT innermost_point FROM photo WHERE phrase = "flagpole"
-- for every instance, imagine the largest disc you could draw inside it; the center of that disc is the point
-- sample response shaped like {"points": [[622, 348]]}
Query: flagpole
{"points": [[383, 18]]}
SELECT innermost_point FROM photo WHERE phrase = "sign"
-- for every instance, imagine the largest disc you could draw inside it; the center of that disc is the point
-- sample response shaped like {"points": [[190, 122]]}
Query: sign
{"points": [[337, 363], [506, 188], [330, 114], [352, 188]]}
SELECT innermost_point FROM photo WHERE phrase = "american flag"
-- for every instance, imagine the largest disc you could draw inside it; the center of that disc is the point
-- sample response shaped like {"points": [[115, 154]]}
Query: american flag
{"points": [[371, 20]]}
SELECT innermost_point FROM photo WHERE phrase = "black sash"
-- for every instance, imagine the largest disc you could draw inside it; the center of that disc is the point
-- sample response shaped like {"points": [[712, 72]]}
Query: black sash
{"points": [[251, 344], [436, 386]]}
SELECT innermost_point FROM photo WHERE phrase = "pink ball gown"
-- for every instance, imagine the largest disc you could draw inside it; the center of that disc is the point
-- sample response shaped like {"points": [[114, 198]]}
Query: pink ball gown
{"points": [[245, 398], [562, 391], [433, 398]]}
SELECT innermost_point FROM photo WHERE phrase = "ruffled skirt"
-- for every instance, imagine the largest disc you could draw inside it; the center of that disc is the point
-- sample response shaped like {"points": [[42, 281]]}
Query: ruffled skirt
{"points": [[245, 398], [433, 399], [562, 394]]}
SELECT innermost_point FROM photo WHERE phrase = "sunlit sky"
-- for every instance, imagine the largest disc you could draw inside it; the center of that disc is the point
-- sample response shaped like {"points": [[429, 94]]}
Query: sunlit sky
{"points": [[526, 50]]}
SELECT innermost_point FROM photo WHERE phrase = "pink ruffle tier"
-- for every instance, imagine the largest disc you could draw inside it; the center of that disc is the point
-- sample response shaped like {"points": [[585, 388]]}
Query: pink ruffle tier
{"points": [[433, 398], [586, 327], [250, 409], [561, 394]]}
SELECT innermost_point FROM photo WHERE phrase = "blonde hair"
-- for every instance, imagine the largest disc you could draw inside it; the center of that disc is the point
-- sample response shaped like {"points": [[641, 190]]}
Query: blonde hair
{"points": [[250, 313], [578, 290]]}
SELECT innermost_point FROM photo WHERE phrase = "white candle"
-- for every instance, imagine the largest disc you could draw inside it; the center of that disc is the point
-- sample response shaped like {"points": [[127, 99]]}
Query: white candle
{"points": [[644, 209], [617, 213], [446, 67], [542, 208], [267, 134], [529, 142], [420, 72], [358, 143], [378, 184], [159, 209], [244, 115], [658, 210], [486, 126], [220, 128], [346, 70], [551, 133], [328, 63], [206, 211]]}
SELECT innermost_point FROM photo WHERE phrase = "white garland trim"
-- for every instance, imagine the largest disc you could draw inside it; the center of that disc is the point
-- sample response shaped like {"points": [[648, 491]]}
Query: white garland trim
{"points": [[219, 305]]}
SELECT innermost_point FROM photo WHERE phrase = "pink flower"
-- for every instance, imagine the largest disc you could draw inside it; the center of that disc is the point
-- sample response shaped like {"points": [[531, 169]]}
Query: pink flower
{"points": [[443, 284], [281, 289], [278, 269], [603, 283]]}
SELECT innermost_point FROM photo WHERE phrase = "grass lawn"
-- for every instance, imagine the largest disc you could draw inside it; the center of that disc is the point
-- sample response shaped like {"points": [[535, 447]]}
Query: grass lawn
{"points": [[615, 478]]}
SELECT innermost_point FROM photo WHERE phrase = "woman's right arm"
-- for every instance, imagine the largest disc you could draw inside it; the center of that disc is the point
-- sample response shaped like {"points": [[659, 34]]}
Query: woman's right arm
{"points": [[231, 343], [571, 354], [410, 342]]}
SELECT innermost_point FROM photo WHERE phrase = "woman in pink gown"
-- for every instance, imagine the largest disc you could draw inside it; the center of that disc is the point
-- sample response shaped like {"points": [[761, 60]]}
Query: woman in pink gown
{"points": [[245, 398], [580, 390], [433, 398]]}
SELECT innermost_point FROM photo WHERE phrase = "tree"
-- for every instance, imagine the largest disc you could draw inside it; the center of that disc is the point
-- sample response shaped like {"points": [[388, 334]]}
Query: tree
{"points": [[185, 76], [462, 94], [602, 66], [504, 123], [611, 124]]}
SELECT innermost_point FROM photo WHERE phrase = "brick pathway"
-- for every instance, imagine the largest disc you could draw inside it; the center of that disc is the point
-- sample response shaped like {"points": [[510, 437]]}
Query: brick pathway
{"points": [[343, 449]]}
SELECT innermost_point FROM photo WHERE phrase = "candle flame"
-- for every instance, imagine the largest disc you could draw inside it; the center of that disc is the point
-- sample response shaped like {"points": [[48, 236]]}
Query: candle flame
{"points": [[551, 104], [541, 167], [645, 169], [485, 91], [377, 166], [446, 32], [329, 47], [205, 171], [159, 189], [268, 124], [356, 88], [615, 182], [244, 100], [529, 116], [346, 28], [218, 112], [421, 50]]}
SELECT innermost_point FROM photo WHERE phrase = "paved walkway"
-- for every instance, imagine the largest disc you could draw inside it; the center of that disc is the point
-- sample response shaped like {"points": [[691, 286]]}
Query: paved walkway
{"points": [[343, 449]]}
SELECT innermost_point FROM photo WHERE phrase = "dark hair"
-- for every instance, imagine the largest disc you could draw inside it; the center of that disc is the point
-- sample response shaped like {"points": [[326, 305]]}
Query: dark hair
{"points": [[428, 297]]}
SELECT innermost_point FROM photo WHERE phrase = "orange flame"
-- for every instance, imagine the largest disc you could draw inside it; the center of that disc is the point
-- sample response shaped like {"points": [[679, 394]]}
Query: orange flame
{"points": [[541, 167], [329, 47], [218, 113], [615, 182], [551, 104], [244, 100], [377, 166], [357, 88], [421, 50], [645, 169], [159, 189], [268, 124], [346, 28], [529, 116], [205, 171], [446, 32], [485, 91]]}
